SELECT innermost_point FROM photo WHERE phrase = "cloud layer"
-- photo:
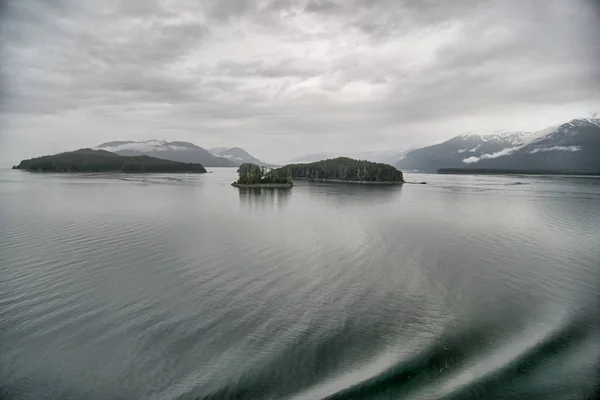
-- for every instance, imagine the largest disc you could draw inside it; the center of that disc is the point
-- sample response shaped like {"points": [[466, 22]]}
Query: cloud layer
{"points": [[283, 77]]}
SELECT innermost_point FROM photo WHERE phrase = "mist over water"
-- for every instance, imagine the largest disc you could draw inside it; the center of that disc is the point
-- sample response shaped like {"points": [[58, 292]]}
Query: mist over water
{"points": [[181, 287]]}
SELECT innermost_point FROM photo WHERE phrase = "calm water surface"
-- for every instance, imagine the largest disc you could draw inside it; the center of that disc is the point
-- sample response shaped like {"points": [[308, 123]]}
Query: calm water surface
{"points": [[182, 287]]}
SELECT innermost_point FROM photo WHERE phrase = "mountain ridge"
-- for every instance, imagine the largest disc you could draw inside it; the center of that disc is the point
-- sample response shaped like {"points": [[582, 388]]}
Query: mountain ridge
{"points": [[450, 153], [90, 160], [389, 157], [179, 151], [238, 156], [552, 148], [573, 146]]}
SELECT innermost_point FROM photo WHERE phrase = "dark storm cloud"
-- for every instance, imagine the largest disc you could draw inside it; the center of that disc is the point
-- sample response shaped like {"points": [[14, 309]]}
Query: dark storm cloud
{"points": [[406, 72]]}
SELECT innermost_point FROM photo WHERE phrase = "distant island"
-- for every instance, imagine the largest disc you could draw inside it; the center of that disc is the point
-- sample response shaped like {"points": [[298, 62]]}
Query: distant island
{"points": [[343, 169], [491, 171], [88, 160], [256, 176]]}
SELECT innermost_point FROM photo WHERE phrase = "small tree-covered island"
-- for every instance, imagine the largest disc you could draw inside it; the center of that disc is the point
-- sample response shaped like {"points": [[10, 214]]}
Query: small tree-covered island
{"points": [[254, 176], [341, 169], [344, 169], [88, 160]]}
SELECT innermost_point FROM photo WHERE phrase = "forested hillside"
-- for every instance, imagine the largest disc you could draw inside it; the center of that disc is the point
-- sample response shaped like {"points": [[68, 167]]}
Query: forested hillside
{"points": [[253, 174], [88, 160], [345, 169]]}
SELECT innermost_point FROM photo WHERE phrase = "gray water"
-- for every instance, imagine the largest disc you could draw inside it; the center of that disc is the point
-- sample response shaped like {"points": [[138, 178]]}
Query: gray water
{"points": [[183, 287]]}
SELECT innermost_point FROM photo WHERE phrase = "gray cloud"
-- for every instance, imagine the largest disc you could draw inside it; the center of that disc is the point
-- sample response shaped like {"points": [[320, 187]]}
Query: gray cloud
{"points": [[279, 69], [282, 77], [322, 6]]}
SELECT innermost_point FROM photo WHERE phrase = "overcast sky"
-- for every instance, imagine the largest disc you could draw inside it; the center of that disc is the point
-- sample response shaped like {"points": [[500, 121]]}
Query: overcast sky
{"points": [[282, 78]]}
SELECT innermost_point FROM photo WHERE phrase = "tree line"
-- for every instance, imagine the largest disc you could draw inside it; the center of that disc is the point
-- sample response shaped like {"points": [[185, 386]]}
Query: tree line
{"points": [[252, 174], [343, 169], [88, 160]]}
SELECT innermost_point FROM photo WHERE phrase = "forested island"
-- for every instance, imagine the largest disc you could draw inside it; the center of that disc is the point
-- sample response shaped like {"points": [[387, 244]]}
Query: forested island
{"points": [[88, 160], [254, 176], [490, 171], [343, 169]]}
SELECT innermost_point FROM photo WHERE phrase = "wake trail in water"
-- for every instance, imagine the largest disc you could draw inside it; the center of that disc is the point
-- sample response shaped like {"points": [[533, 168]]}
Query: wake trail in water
{"points": [[514, 375]]}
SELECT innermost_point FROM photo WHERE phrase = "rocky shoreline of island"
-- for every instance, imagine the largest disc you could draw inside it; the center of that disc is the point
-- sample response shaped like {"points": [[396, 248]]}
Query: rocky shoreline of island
{"points": [[263, 185], [348, 181]]}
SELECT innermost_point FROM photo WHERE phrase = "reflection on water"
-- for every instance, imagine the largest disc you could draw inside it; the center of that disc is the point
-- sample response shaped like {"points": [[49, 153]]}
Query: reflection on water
{"points": [[264, 197], [352, 195], [176, 287]]}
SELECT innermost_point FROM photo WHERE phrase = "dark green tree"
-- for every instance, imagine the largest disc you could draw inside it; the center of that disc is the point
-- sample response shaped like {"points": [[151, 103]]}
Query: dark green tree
{"points": [[88, 160], [343, 169]]}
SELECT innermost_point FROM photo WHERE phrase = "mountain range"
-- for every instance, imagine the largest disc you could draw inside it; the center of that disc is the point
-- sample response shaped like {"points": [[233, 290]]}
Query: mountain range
{"points": [[182, 152], [237, 155], [386, 156], [452, 152], [573, 146]]}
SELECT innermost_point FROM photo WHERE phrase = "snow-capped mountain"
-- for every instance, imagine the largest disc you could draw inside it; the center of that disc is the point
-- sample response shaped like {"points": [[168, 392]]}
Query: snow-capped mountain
{"points": [[572, 146], [175, 151], [582, 122], [514, 138], [217, 150], [451, 153], [237, 155]]}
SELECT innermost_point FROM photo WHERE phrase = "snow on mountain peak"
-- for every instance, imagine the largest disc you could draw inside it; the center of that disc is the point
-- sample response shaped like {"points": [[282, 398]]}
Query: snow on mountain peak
{"points": [[568, 129], [143, 146], [582, 122], [504, 136]]}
